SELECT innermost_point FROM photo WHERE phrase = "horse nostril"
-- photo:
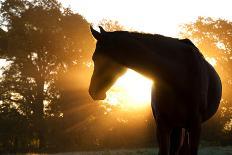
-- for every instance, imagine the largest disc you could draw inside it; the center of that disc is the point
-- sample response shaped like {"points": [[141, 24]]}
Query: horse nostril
{"points": [[97, 96], [93, 94], [103, 97]]}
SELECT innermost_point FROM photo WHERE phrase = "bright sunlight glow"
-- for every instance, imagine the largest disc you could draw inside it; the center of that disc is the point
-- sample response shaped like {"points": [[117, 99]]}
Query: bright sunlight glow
{"points": [[212, 61], [152, 16], [131, 90]]}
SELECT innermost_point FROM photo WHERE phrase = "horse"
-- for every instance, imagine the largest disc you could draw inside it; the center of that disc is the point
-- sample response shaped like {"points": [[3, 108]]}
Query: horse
{"points": [[187, 90]]}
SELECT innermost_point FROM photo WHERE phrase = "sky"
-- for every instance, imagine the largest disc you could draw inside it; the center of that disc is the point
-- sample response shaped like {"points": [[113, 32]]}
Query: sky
{"points": [[152, 16]]}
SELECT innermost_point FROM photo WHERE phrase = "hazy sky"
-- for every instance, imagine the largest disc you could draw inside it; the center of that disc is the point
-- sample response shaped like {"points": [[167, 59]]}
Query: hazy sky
{"points": [[152, 16]]}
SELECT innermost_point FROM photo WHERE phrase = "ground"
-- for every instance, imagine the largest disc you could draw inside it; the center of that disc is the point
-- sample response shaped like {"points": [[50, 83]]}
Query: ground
{"points": [[203, 151]]}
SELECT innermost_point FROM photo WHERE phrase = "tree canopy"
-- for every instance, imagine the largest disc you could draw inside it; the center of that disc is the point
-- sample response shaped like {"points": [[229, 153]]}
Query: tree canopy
{"points": [[42, 41]]}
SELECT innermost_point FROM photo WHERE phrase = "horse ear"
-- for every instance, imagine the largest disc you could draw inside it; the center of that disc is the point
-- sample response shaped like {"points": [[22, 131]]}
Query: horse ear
{"points": [[102, 30], [96, 34]]}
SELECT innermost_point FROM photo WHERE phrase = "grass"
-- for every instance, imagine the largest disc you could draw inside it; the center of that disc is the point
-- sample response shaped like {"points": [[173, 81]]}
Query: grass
{"points": [[148, 151]]}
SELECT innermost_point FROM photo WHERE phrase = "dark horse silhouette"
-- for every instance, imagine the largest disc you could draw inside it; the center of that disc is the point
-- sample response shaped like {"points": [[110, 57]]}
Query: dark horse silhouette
{"points": [[187, 90]]}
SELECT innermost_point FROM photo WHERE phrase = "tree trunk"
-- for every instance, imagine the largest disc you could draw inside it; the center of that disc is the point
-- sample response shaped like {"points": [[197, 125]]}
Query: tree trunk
{"points": [[39, 112]]}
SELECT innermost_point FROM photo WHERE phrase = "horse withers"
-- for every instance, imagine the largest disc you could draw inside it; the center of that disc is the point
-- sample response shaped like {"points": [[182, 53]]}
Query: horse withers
{"points": [[187, 90]]}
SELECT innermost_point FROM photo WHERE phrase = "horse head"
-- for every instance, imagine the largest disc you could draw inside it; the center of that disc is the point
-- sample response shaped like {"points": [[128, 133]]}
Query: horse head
{"points": [[106, 71]]}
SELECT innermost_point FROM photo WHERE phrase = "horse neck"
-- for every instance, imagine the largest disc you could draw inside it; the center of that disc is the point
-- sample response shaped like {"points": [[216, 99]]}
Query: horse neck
{"points": [[146, 60]]}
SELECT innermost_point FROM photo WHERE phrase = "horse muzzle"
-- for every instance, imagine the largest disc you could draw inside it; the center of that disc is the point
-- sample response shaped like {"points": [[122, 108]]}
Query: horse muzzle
{"points": [[97, 96]]}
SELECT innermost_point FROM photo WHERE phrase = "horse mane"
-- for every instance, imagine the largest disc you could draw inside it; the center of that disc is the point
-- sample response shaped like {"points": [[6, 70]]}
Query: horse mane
{"points": [[149, 38], [136, 34], [189, 42]]}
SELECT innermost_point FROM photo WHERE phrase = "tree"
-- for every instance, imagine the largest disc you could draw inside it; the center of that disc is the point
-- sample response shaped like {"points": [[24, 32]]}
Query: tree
{"points": [[43, 42]]}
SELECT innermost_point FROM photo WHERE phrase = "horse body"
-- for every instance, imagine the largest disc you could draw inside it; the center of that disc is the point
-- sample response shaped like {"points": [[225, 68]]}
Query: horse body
{"points": [[187, 90], [214, 93]]}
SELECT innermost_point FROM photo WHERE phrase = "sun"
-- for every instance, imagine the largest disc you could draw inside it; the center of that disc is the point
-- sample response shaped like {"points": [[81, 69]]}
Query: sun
{"points": [[131, 90]]}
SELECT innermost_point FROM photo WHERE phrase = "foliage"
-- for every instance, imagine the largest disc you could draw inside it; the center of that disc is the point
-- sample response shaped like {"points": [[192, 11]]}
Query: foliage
{"points": [[110, 25], [214, 39], [42, 42]]}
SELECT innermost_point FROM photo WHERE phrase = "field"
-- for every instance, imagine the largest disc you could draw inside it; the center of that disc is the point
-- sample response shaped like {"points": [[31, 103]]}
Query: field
{"points": [[203, 151]]}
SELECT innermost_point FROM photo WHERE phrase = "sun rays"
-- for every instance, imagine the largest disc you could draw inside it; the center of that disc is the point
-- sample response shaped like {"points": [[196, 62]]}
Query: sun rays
{"points": [[132, 90]]}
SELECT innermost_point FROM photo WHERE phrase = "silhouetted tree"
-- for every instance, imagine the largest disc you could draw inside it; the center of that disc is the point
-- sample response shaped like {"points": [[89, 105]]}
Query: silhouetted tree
{"points": [[42, 42], [111, 25]]}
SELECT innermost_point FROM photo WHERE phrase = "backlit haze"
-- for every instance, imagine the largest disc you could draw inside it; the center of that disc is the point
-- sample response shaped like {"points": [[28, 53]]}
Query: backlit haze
{"points": [[151, 16]]}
